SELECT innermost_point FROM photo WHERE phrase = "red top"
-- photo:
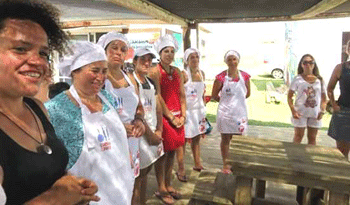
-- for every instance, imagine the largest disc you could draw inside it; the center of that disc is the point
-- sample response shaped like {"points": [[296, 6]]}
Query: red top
{"points": [[221, 77], [170, 91]]}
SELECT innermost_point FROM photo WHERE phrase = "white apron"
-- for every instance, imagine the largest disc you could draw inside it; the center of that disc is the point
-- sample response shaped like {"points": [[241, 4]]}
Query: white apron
{"points": [[126, 105], [105, 157], [2, 196], [148, 153], [195, 109], [232, 117]]}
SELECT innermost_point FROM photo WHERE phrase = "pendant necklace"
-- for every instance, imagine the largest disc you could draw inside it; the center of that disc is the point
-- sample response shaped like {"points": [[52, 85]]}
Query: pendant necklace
{"points": [[42, 148]]}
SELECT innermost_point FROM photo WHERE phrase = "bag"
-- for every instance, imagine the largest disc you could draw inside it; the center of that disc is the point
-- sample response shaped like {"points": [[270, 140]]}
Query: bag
{"points": [[208, 126]]}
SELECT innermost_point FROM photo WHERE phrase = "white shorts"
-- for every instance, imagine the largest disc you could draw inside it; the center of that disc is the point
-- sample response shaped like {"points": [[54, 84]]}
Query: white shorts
{"points": [[307, 122]]}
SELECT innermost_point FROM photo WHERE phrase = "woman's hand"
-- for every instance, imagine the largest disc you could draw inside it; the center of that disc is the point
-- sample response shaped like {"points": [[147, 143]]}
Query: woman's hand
{"points": [[296, 114], [320, 115], [129, 129], [182, 121], [176, 122], [139, 128], [336, 107], [156, 138], [68, 190]]}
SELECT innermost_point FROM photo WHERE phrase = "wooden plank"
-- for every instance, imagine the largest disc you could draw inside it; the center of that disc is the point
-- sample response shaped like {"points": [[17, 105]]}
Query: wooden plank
{"points": [[319, 8], [260, 188], [243, 191], [150, 9], [338, 199]]}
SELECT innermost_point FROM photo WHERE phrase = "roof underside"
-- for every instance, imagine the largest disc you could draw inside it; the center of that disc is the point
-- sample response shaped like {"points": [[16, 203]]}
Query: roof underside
{"points": [[185, 12], [234, 9]]}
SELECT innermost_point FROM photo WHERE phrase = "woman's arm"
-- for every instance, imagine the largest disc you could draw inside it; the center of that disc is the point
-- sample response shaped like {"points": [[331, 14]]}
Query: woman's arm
{"points": [[247, 85], [182, 99], [331, 85], [216, 89], [155, 77], [2, 192], [290, 95]]}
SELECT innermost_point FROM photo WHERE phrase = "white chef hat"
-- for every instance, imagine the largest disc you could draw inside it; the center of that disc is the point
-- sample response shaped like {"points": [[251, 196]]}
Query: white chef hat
{"points": [[144, 51], [81, 53], [232, 53], [188, 52], [105, 39], [165, 41]]}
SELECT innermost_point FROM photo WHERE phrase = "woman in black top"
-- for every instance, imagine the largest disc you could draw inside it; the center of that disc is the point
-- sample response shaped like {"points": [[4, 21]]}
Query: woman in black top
{"points": [[339, 128], [32, 160]]}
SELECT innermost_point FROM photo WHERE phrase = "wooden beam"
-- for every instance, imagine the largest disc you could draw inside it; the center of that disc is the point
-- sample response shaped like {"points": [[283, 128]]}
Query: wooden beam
{"points": [[319, 8], [76, 24], [150, 9]]}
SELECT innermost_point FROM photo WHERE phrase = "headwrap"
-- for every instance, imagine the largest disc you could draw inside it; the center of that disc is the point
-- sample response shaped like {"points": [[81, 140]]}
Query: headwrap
{"points": [[188, 52], [144, 51], [165, 41], [105, 39], [232, 53], [81, 53]]}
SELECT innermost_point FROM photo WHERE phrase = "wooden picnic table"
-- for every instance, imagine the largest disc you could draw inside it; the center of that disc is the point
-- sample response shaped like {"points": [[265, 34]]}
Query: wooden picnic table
{"points": [[285, 162]]}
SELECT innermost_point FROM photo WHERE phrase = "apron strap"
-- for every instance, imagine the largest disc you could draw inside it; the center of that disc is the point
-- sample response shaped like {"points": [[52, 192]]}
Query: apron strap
{"points": [[85, 110]]}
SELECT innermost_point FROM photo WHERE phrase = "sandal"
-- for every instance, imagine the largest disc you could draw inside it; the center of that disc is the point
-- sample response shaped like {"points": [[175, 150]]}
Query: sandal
{"points": [[226, 171], [181, 178], [198, 169], [175, 194], [165, 197]]}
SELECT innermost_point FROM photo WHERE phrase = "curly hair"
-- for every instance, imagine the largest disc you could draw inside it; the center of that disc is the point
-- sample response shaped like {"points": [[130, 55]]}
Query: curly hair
{"points": [[45, 14]]}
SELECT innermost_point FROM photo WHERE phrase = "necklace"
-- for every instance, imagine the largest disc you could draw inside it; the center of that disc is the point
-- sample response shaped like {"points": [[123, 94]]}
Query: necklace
{"points": [[170, 73], [42, 148]]}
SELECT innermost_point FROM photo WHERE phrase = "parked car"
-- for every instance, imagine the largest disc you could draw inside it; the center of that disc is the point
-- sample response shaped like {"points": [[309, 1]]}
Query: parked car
{"points": [[276, 69]]}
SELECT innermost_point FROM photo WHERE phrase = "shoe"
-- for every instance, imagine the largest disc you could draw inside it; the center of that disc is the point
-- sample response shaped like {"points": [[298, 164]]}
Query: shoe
{"points": [[165, 197], [175, 194], [198, 169], [181, 178]]}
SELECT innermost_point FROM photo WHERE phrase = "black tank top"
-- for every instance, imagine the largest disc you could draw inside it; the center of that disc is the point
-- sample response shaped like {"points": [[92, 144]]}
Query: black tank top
{"points": [[344, 84], [27, 174]]}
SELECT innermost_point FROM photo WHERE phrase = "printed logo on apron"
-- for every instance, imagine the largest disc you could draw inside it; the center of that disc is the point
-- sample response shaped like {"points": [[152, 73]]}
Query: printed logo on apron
{"points": [[103, 138]]}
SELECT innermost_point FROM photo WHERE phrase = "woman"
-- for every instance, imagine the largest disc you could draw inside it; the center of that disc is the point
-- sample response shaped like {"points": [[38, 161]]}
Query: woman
{"points": [[232, 116], [32, 160], [310, 104], [339, 125], [122, 86], [195, 107], [169, 84], [90, 127], [153, 116]]}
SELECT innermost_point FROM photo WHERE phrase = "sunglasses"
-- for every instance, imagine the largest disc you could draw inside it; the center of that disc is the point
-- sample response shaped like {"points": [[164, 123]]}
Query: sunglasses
{"points": [[308, 62]]}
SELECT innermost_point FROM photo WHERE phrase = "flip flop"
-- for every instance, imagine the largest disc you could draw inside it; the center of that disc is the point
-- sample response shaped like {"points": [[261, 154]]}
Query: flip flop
{"points": [[175, 194], [181, 178], [198, 169], [165, 197]]}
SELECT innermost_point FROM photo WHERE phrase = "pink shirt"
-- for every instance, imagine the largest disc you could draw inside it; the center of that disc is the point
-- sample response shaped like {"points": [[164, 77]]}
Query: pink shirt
{"points": [[221, 77]]}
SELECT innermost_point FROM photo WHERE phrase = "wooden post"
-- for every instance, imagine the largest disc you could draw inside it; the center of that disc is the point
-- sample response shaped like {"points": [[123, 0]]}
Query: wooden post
{"points": [[243, 192], [260, 188]]}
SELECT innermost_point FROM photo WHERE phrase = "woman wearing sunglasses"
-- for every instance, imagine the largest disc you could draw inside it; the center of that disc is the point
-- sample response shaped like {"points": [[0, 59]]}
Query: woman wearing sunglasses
{"points": [[310, 103]]}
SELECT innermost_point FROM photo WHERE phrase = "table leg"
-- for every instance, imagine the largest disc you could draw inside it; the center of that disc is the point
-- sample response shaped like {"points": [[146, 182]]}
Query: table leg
{"points": [[300, 194], [260, 188], [243, 192], [338, 199]]}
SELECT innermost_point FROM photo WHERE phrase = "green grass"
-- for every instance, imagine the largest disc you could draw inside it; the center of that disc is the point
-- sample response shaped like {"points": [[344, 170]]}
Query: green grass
{"points": [[261, 83]]}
